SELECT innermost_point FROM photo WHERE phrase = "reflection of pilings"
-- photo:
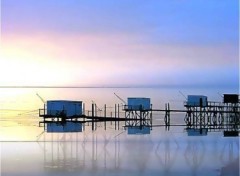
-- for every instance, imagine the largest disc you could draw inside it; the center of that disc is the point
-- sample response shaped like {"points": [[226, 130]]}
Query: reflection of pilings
{"points": [[230, 159], [116, 153], [165, 155], [194, 155], [227, 154], [66, 154], [60, 155], [94, 152], [137, 154]]}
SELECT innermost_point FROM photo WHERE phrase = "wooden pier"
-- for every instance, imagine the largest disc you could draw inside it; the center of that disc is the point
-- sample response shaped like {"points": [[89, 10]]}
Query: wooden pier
{"points": [[213, 115]]}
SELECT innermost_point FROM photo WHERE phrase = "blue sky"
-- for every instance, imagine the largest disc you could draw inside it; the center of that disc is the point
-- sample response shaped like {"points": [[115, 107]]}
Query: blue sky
{"points": [[120, 42]]}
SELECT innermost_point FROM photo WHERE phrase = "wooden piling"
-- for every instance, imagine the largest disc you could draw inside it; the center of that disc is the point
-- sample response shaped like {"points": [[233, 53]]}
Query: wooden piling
{"points": [[92, 116], [105, 116], [115, 116], [118, 116]]}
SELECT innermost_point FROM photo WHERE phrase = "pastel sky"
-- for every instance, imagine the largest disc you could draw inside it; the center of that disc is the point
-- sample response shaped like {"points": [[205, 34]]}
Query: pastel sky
{"points": [[119, 42]]}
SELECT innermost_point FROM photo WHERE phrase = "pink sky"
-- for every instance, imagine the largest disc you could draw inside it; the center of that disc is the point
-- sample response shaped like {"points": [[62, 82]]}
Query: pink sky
{"points": [[66, 44]]}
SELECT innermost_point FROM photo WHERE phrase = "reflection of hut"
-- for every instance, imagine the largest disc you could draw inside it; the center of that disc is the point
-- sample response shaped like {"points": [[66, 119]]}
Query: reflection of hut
{"points": [[66, 127], [138, 130], [230, 133], [197, 132]]}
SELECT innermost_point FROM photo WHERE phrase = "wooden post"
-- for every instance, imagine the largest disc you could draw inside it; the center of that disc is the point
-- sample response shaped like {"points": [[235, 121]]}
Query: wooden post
{"points": [[84, 116], [105, 114], [118, 116], [83, 109], [92, 117], [168, 116], [111, 118], [115, 116]]}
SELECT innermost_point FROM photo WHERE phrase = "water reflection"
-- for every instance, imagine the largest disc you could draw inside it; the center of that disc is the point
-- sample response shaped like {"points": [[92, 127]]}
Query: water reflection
{"points": [[138, 130], [197, 131], [117, 153], [94, 153], [229, 158], [166, 153], [194, 155]]}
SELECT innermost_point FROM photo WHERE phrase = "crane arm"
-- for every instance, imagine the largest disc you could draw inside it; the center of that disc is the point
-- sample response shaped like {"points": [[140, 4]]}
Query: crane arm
{"points": [[40, 98], [182, 94], [120, 98]]}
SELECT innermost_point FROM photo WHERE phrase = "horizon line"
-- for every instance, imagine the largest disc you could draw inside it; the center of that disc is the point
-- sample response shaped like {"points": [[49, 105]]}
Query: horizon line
{"points": [[117, 86]]}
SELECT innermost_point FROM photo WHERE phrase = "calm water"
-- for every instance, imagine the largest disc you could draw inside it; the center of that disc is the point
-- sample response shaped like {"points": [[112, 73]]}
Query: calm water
{"points": [[161, 153], [25, 150]]}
